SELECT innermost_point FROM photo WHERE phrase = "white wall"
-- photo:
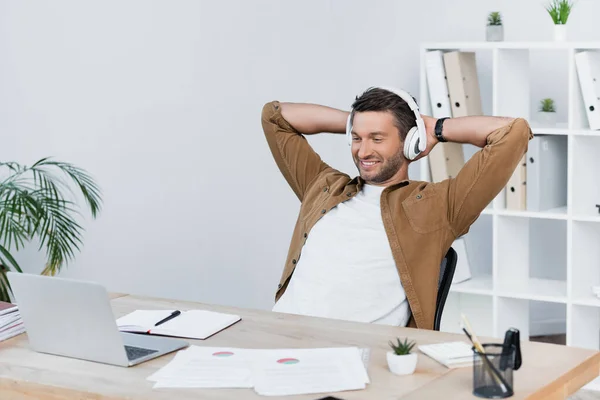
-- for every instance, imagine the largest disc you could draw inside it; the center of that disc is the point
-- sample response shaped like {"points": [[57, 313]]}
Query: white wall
{"points": [[161, 102]]}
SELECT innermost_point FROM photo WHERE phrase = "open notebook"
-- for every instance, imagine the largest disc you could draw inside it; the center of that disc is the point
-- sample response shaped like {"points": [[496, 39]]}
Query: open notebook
{"points": [[192, 324]]}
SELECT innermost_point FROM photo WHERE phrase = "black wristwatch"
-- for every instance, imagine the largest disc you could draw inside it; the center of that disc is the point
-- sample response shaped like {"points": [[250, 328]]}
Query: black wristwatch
{"points": [[438, 129]]}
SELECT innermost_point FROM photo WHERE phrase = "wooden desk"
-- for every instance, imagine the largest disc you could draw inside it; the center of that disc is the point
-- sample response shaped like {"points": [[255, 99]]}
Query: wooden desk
{"points": [[549, 371]]}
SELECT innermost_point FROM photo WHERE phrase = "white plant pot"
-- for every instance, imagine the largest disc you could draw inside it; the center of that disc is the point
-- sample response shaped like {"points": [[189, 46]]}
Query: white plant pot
{"points": [[560, 33], [494, 33], [402, 365], [546, 118]]}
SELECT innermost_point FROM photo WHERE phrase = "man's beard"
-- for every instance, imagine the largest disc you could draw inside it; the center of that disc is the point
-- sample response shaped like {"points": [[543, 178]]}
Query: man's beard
{"points": [[387, 169]]}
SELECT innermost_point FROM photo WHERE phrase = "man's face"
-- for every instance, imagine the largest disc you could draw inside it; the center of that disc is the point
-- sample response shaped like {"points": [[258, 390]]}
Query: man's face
{"points": [[376, 146]]}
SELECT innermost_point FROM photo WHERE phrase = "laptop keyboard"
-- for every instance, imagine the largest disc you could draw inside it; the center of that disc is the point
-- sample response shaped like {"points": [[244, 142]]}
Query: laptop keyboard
{"points": [[133, 353]]}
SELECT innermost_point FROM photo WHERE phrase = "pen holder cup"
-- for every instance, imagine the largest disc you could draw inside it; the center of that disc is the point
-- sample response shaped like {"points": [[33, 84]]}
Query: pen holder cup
{"points": [[493, 371]]}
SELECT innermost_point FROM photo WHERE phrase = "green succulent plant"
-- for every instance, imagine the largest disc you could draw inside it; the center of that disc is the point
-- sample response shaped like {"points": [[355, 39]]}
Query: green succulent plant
{"points": [[494, 18], [402, 348], [547, 105], [559, 10]]}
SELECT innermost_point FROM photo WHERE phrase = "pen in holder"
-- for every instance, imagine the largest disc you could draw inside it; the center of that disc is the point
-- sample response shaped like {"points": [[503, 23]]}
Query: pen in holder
{"points": [[490, 379]]}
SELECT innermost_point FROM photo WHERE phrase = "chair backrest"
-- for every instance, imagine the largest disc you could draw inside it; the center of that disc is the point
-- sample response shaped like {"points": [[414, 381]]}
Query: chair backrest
{"points": [[445, 280]]}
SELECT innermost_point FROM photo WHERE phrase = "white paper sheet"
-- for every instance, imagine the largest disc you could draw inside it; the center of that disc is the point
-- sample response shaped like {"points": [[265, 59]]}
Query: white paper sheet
{"points": [[308, 371], [205, 367], [271, 372]]}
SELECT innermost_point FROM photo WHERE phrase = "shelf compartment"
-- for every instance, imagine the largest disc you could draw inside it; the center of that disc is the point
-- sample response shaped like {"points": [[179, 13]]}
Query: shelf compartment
{"points": [[585, 257], [477, 308], [479, 249], [585, 327], [555, 213], [481, 284], [531, 259], [548, 290], [586, 180], [532, 318]]}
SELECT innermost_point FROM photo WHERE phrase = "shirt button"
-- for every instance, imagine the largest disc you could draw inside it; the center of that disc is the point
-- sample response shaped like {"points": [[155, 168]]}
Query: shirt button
{"points": [[279, 286], [305, 235], [294, 261], [323, 211], [349, 194], [419, 196], [324, 189]]}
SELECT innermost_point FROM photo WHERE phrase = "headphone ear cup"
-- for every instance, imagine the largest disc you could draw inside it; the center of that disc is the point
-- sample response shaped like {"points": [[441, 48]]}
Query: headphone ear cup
{"points": [[349, 129], [411, 144]]}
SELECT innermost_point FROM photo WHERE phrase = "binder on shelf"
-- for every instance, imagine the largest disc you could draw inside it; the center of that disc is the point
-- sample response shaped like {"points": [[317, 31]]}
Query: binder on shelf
{"points": [[587, 64], [436, 82], [446, 159], [462, 272], [463, 83], [516, 188], [546, 173]]}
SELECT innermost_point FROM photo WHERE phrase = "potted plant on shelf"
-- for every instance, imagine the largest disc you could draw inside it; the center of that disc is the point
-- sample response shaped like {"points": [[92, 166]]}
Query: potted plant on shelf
{"points": [[547, 112], [495, 30], [37, 203], [559, 11], [400, 359]]}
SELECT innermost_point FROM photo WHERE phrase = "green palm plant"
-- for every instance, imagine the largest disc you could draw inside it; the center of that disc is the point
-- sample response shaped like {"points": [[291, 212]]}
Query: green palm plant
{"points": [[559, 10], [38, 203]]}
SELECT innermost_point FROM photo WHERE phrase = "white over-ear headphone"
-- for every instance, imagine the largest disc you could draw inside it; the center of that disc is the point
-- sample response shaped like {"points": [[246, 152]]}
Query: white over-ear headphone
{"points": [[416, 138]]}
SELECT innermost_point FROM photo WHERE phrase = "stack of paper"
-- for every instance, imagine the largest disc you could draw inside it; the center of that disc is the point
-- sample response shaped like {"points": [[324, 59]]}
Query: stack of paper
{"points": [[451, 354], [271, 372], [11, 323]]}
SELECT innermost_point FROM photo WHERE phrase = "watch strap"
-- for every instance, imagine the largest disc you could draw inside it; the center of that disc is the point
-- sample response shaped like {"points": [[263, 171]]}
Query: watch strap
{"points": [[438, 129]]}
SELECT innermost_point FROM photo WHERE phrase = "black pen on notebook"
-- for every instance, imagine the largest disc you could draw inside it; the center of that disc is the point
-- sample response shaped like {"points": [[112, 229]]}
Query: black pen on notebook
{"points": [[170, 317]]}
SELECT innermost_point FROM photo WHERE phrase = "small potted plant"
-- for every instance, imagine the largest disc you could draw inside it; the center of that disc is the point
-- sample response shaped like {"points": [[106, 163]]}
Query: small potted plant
{"points": [[400, 359], [495, 30], [559, 11], [547, 112]]}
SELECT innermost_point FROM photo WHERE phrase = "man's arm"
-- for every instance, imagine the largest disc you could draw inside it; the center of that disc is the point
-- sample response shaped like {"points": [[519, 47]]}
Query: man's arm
{"points": [[284, 125], [313, 118], [503, 140]]}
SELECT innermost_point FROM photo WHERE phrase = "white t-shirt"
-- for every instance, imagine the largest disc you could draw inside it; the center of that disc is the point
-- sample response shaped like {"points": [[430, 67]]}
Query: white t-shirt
{"points": [[346, 270]]}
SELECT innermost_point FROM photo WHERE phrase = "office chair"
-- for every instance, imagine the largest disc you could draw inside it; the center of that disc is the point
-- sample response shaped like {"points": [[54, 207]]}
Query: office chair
{"points": [[446, 274]]}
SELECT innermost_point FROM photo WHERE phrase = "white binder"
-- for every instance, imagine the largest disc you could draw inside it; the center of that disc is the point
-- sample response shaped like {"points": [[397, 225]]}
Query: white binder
{"points": [[462, 272], [547, 172], [516, 189], [463, 83], [436, 82], [445, 161], [588, 71]]}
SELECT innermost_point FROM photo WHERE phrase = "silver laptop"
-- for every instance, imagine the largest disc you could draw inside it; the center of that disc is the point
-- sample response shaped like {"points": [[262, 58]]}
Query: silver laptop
{"points": [[74, 318]]}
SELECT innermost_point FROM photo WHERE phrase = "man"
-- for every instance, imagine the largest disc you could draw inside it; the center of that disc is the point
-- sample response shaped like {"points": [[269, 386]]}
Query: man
{"points": [[369, 248]]}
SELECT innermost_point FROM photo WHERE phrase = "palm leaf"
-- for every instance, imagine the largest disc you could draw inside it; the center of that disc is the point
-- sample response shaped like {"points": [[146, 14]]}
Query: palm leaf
{"points": [[38, 202]]}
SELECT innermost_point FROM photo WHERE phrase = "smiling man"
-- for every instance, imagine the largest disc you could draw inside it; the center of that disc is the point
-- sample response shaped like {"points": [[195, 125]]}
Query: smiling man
{"points": [[369, 248]]}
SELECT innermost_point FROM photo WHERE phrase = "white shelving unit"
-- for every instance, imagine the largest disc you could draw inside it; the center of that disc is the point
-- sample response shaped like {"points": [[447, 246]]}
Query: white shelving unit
{"points": [[525, 261]]}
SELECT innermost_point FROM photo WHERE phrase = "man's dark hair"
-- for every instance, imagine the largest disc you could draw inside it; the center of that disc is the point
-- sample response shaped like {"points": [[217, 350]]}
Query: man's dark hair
{"points": [[377, 99]]}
